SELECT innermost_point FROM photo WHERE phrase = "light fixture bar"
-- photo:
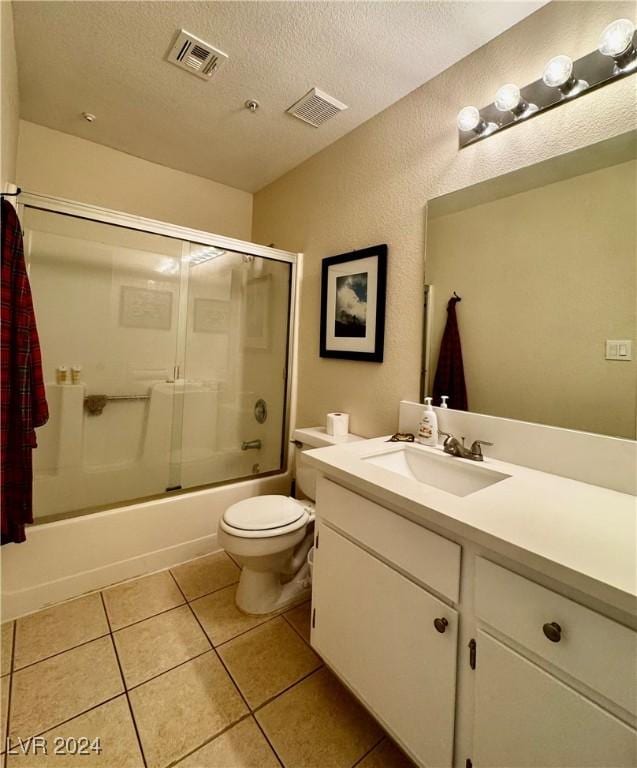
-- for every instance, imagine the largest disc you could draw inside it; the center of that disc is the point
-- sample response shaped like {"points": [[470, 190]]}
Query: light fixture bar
{"points": [[592, 71]]}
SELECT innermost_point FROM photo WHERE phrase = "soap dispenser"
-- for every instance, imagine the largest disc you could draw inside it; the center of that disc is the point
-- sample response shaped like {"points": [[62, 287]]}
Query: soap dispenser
{"points": [[428, 427]]}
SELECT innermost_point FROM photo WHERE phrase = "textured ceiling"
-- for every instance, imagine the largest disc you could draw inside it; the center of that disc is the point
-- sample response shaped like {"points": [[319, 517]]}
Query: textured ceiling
{"points": [[109, 58]]}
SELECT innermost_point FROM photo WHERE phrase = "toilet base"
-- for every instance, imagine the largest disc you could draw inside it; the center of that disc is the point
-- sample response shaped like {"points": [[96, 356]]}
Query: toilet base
{"points": [[262, 592]]}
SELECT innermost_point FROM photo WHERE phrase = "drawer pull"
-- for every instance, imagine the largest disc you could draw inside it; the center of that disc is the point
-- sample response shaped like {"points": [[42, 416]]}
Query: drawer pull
{"points": [[553, 632], [441, 624]]}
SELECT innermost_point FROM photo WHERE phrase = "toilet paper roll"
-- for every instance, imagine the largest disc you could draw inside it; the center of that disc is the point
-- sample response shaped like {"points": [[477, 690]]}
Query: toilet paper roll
{"points": [[337, 424]]}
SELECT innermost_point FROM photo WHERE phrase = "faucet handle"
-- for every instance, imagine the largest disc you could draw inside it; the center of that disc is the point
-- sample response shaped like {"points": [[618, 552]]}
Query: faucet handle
{"points": [[476, 447], [446, 435]]}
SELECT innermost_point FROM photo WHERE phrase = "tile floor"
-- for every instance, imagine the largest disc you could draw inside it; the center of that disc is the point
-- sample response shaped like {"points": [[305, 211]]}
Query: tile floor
{"points": [[165, 671]]}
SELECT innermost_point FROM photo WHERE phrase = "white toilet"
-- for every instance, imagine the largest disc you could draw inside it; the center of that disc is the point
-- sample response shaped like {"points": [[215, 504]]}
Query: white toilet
{"points": [[270, 536]]}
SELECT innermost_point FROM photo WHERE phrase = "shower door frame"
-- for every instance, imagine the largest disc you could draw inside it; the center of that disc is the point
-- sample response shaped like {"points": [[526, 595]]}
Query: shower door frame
{"points": [[186, 234]]}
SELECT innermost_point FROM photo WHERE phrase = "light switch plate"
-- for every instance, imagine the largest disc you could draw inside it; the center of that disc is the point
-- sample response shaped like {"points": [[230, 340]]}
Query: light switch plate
{"points": [[619, 349]]}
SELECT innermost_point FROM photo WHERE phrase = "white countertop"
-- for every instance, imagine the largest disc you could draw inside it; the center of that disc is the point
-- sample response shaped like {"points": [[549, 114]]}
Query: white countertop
{"points": [[580, 534]]}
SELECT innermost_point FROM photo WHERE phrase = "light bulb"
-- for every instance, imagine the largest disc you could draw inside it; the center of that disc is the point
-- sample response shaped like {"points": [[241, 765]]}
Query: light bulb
{"points": [[617, 38], [468, 119], [558, 71], [507, 98]]}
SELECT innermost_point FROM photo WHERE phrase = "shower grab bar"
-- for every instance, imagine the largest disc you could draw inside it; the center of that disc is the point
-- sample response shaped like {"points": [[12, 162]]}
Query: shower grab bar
{"points": [[95, 404], [118, 397]]}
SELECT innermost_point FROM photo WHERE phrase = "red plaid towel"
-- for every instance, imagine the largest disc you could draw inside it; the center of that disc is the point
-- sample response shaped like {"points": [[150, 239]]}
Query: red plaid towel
{"points": [[23, 404]]}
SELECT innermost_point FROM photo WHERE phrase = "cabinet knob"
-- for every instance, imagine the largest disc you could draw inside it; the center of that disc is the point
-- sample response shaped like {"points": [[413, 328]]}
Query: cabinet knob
{"points": [[441, 624], [553, 631]]}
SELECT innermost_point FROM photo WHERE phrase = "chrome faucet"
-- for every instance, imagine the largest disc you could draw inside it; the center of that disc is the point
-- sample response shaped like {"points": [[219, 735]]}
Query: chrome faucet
{"points": [[248, 445], [455, 447]]}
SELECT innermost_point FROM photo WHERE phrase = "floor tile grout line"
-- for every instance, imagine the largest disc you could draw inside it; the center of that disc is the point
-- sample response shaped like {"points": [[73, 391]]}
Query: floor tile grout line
{"points": [[78, 714], [279, 693], [175, 666], [369, 751], [232, 680], [66, 650], [146, 618], [203, 744], [121, 673], [267, 738], [231, 557], [243, 698], [296, 629], [5, 756], [289, 687], [245, 631], [166, 671], [205, 594]]}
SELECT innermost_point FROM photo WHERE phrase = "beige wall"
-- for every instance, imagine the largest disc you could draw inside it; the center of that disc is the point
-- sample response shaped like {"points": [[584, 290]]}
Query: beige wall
{"points": [[8, 96], [373, 184], [55, 163], [543, 286]]}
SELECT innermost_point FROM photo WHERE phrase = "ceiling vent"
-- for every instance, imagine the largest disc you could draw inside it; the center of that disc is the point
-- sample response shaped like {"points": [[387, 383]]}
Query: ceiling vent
{"points": [[316, 107], [195, 55]]}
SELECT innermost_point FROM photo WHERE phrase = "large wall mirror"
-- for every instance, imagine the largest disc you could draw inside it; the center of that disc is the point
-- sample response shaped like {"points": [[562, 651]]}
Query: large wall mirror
{"points": [[545, 262]]}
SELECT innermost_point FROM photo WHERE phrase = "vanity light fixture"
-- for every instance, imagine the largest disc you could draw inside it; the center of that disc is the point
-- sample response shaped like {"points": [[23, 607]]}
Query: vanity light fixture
{"points": [[509, 99], [558, 73], [469, 119], [562, 80], [617, 41]]}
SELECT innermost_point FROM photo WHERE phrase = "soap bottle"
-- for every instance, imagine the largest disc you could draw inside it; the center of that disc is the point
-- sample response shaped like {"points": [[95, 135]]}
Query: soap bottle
{"points": [[428, 427], [443, 399]]}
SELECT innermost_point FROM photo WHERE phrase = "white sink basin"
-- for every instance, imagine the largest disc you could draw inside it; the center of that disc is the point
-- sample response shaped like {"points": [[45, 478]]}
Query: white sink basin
{"points": [[448, 473]]}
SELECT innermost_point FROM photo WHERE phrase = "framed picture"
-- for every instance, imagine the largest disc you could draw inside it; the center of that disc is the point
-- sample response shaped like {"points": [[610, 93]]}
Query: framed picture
{"points": [[211, 316], [353, 305], [144, 308]]}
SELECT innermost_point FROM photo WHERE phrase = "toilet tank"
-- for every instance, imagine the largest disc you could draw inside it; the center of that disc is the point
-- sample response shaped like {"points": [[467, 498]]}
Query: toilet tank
{"points": [[307, 439]]}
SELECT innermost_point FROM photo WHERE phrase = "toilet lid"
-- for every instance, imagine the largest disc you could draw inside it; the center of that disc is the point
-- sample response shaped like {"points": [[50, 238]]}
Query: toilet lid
{"points": [[263, 513]]}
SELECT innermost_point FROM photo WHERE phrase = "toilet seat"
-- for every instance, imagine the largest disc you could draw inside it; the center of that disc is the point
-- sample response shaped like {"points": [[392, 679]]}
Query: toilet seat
{"points": [[266, 516]]}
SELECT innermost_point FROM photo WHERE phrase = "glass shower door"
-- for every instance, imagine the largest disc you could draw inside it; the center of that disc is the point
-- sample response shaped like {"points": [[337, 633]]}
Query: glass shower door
{"points": [[107, 304], [165, 362], [234, 365]]}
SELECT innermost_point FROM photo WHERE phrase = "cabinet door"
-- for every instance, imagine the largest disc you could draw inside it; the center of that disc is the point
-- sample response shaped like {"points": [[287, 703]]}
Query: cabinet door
{"points": [[526, 717], [376, 629]]}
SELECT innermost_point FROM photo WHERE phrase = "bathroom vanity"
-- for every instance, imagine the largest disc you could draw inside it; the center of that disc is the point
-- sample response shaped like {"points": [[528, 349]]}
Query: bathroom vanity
{"points": [[485, 613]]}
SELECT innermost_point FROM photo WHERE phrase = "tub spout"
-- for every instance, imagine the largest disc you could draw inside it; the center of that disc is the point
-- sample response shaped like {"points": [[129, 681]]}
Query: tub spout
{"points": [[251, 445]]}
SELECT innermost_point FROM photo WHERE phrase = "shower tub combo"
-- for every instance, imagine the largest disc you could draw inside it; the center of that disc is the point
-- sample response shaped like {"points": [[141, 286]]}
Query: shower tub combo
{"points": [[167, 360]]}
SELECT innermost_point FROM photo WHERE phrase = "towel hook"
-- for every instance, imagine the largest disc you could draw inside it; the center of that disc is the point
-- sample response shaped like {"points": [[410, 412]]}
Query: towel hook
{"points": [[455, 296]]}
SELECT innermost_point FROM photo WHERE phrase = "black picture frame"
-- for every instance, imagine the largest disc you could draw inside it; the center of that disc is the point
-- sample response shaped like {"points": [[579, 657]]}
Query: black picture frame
{"points": [[334, 339]]}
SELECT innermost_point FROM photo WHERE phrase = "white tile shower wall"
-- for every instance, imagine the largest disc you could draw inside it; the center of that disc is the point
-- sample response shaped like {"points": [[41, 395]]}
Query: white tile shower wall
{"points": [[609, 462]]}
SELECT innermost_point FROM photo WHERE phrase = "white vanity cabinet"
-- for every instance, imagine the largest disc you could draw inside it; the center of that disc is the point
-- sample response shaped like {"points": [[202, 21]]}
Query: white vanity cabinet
{"points": [[526, 717], [389, 639], [549, 682]]}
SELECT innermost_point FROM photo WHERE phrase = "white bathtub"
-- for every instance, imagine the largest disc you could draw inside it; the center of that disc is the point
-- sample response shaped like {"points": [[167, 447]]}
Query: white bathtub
{"points": [[67, 558]]}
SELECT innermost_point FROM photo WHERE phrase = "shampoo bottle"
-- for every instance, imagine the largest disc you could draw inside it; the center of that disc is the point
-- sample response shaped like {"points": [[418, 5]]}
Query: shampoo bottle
{"points": [[428, 427]]}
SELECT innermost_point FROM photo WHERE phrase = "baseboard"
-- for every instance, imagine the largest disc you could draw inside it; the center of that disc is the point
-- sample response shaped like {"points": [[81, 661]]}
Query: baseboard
{"points": [[22, 602]]}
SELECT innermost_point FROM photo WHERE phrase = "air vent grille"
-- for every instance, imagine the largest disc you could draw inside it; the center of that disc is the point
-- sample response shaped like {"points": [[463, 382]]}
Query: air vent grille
{"points": [[195, 56], [316, 107]]}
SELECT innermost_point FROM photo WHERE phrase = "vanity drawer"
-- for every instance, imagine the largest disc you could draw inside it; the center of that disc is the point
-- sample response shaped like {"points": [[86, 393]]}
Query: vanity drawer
{"points": [[591, 648], [430, 559]]}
